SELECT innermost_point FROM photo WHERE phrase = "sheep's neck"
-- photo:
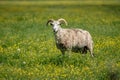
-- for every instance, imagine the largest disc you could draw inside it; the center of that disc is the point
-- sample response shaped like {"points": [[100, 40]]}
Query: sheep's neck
{"points": [[57, 34], [57, 29]]}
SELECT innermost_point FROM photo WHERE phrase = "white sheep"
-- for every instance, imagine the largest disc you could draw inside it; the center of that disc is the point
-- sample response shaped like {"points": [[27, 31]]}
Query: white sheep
{"points": [[71, 39]]}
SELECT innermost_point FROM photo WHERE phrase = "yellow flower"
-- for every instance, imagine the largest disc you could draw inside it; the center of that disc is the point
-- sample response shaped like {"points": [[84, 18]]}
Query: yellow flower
{"points": [[1, 49]]}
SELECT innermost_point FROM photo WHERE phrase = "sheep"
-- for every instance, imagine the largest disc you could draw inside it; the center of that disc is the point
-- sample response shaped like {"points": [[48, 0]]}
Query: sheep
{"points": [[75, 40]]}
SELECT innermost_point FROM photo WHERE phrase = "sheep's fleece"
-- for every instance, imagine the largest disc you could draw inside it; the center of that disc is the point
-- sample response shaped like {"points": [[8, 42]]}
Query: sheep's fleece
{"points": [[76, 40]]}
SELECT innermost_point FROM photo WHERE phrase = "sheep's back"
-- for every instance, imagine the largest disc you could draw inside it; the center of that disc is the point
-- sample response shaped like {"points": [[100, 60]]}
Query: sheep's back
{"points": [[72, 37]]}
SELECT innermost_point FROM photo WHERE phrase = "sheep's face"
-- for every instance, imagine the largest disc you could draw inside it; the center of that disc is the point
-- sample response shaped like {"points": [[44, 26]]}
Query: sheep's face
{"points": [[55, 25]]}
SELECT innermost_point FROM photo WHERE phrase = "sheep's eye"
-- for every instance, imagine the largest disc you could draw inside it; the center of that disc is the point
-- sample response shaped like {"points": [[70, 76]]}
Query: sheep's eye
{"points": [[51, 24]]}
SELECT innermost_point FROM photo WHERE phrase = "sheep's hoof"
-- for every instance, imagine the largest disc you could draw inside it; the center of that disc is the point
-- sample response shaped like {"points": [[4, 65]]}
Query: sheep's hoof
{"points": [[83, 54], [92, 55]]}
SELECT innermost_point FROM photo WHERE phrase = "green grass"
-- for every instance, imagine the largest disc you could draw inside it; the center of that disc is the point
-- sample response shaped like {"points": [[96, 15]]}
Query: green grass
{"points": [[27, 46]]}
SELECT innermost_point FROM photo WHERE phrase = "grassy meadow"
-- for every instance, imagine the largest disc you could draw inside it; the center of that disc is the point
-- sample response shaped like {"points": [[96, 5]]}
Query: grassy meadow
{"points": [[27, 45]]}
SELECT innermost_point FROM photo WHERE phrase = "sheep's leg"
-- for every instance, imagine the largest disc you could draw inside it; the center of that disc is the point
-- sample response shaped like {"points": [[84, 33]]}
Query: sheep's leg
{"points": [[69, 52], [63, 52], [84, 50], [91, 51]]}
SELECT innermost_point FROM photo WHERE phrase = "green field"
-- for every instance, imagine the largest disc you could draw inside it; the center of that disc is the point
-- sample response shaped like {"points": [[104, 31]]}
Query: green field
{"points": [[27, 45]]}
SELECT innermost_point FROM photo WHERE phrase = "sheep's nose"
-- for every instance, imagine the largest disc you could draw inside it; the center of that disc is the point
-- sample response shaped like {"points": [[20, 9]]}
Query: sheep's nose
{"points": [[54, 31]]}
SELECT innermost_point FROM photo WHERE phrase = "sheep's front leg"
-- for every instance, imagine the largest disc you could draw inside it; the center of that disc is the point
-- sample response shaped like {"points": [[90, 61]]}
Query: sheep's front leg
{"points": [[69, 52], [63, 52]]}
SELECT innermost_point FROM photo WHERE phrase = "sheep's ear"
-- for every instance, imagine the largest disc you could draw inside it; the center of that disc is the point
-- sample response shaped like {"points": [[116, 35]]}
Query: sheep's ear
{"points": [[49, 21], [61, 20]]}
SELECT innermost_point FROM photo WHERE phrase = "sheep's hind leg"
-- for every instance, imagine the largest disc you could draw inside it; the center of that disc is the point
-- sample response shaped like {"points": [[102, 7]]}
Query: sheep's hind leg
{"points": [[91, 51], [84, 50]]}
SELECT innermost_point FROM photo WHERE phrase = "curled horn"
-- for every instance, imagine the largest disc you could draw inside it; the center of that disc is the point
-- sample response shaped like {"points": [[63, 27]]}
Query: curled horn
{"points": [[49, 21], [61, 20]]}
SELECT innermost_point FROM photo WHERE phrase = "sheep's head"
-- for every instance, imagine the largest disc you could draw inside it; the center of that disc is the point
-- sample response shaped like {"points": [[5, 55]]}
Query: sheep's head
{"points": [[56, 23]]}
